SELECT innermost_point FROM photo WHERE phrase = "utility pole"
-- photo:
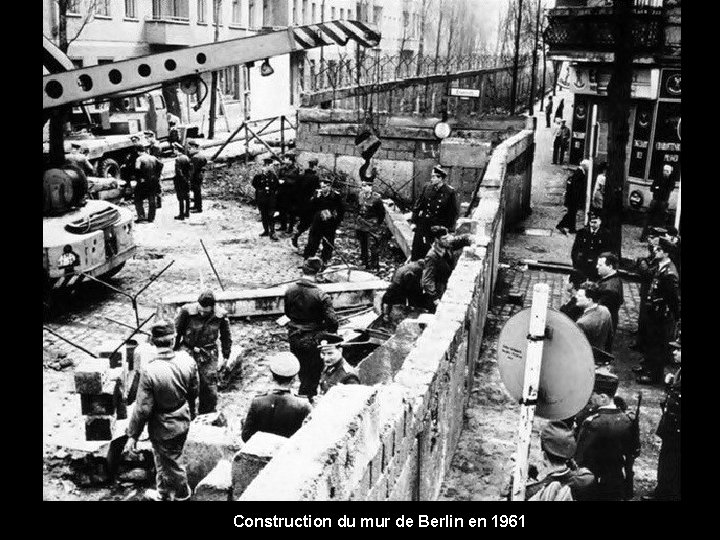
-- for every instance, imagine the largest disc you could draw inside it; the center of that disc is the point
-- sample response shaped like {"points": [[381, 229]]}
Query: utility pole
{"points": [[516, 60], [531, 105], [619, 93], [214, 77]]}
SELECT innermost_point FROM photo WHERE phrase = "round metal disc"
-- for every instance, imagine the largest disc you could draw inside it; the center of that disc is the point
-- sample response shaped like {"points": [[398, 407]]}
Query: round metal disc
{"points": [[567, 374]]}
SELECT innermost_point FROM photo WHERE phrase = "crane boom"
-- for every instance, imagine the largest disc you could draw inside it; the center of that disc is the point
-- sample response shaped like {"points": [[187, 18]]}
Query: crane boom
{"points": [[77, 85]]}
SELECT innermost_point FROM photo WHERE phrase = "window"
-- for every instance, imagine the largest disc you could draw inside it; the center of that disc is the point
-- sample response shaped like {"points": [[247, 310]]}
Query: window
{"points": [[342, 13], [236, 11], [171, 9], [130, 9], [73, 7], [304, 12], [217, 9], [314, 13], [201, 11], [102, 8], [332, 13], [251, 14], [377, 14]]}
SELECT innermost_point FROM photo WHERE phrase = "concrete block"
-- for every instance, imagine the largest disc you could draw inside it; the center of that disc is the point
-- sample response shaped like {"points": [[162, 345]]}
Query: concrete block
{"points": [[395, 173], [99, 428], [350, 165], [205, 447], [91, 374], [106, 351], [98, 404], [324, 159], [455, 152], [255, 454], [216, 486]]}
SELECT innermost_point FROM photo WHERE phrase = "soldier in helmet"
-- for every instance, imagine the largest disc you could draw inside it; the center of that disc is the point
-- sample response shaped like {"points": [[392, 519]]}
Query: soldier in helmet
{"points": [[277, 411], [198, 328], [607, 442], [436, 206], [336, 369], [165, 401], [558, 445]]}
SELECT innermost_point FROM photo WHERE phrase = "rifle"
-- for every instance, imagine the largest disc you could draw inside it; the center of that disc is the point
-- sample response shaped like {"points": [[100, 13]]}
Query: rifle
{"points": [[630, 461]]}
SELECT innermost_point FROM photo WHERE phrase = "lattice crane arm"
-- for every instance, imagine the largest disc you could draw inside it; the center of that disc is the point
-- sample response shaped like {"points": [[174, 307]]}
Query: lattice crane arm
{"points": [[78, 85]]}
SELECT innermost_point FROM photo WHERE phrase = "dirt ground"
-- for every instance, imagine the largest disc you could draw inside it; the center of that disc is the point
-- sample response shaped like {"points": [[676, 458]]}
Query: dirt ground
{"points": [[230, 228]]}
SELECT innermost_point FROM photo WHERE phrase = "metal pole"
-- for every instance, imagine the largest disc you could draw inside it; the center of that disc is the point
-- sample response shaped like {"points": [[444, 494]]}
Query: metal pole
{"points": [[591, 157], [677, 210], [533, 364], [211, 264], [282, 134], [83, 349], [214, 76]]}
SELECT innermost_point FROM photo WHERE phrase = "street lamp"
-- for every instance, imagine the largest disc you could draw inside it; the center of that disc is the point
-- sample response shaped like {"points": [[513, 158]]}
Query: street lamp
{"points": [[266, 69]]}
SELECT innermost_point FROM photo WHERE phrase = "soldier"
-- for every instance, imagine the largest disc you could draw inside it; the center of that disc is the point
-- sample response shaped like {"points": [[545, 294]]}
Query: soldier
{"points": [[589, 243], [661, 189], [328, 211], [198, 328], [610, 286], [596, 320], [370, 208], [558, 446], [146, 167], [77, 158], [436, 206], [645, 267], [574, 197], [607, 444], [183, 173], [336, 370], [266, 187], [439, 264], [669, 461], [155, 150], [278, 410], [127, 169], [308, 184], [663, 310], [311, 314], [288, 193], [406, 288], [198, 165], [548, 111], [166, 394]]}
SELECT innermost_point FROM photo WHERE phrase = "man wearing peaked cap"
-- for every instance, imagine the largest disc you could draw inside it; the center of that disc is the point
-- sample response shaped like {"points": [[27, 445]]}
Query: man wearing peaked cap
{"points": [[277, 411], [336, 369], [437, 205], [266, 186], [558, 446], [198, 328], [165, 401]]}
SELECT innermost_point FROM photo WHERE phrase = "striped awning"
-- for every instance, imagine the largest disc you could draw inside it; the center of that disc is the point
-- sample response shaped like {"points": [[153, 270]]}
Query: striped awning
{"points": [[335, 32]]}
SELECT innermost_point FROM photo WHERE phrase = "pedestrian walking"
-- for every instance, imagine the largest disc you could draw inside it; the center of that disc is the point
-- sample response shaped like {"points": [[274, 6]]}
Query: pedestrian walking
{"points": [[645, 268], [663, 310], [368, 224], [278, 411], [590, 242], [560, 109], [146, 167], [311, 314], [669, 461], [610, 286], [336, 369], [328, 211], [437, 205], [308, 185], [198, 171], [165, 401], [198, 327], [183, 174], [661, 189], [548, 111], [574, 197], [266, 189], [595, 321]]}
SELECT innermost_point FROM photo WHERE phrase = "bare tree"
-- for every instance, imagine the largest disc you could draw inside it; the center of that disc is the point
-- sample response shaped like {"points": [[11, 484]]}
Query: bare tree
{"points": [[60, 30]]}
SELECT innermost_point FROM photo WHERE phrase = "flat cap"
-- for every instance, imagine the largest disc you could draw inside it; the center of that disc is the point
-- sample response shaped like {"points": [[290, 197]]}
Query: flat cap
{"points": [[162, 328], [558, 440], [206, 298], [442, 173], [284, 364], [605, 382], [312, 265], [329, 340], [593, 214]]}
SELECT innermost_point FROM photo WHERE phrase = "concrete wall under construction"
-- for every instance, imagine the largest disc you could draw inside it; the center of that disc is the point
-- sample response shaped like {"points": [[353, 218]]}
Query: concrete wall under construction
{"points": [[395, 440]]}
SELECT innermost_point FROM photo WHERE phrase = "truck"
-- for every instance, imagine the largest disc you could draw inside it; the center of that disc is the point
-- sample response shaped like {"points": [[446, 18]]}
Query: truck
{"points": [[83, 237]]}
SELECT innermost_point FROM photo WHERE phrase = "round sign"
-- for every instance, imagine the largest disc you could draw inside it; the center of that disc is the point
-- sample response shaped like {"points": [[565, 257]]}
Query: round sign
{"points": [[567, 374], [442, 130], [636, 199]]}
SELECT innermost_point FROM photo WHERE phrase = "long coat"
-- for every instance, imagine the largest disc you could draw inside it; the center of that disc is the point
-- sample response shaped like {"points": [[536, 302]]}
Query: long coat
{"points": [[277, 411]]}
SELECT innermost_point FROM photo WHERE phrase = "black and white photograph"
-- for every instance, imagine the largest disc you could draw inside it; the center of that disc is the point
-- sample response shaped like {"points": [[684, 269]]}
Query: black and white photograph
{"points": [[362, 250]]}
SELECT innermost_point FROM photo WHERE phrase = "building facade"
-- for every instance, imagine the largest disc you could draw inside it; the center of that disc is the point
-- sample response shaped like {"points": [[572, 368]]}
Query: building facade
{"points": [[580, 33]]}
